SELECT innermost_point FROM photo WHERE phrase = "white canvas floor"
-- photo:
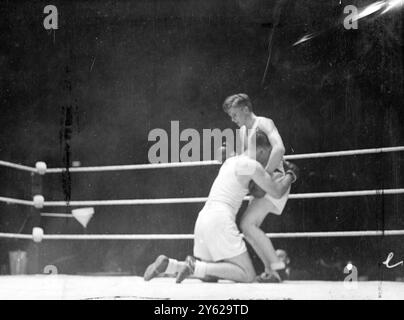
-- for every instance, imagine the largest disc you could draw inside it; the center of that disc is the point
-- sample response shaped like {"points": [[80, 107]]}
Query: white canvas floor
{"points": [[132, 287]]}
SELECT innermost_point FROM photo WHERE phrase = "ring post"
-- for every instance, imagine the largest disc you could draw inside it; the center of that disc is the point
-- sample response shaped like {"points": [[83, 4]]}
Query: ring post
{"points": [[36, 189]]}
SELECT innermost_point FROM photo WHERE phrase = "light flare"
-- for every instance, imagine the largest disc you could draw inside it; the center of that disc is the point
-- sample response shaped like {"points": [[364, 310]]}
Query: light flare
{"points": [[378, 6], [370, 9], [305, 38], [392, 4]]}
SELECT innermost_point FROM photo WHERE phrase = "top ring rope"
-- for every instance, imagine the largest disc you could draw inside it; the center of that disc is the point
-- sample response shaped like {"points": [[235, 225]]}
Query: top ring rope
{"points": [[42, 168], [343, 153], [135, 166], [16, 201], [17, 166], [215, 162]]}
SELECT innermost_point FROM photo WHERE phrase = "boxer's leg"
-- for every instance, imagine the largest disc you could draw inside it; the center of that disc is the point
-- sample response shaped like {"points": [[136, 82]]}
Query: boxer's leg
{"points": [[238, 269], [221, 247], [163, 266], [250, 224]]}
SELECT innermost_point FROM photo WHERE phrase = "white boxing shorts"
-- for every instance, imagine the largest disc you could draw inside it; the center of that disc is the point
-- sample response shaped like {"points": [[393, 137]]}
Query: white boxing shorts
{"points": [[272, 204], [216, 234]]}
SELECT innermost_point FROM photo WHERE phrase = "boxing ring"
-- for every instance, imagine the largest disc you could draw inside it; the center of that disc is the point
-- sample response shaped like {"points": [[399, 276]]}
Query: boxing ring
{"points": [[68, 287], [132, 287]]}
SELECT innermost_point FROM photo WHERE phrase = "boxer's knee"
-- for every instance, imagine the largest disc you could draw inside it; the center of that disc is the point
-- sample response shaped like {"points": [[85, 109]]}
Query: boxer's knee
{"points": [[248, 278]]}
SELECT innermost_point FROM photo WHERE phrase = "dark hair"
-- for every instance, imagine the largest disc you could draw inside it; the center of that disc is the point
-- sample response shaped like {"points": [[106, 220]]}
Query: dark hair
{"points": [[261, 139], [237, 100]]}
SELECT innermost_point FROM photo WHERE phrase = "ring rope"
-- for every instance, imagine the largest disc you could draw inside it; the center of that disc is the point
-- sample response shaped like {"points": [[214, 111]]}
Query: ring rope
{"points": [[346, 193], [57, 215], [204, 199], [368, 233], [15, 236], [215, 162], [199, 163], [17, 166], [343, 153], [124, 202], [16, 201], [135, 166]]}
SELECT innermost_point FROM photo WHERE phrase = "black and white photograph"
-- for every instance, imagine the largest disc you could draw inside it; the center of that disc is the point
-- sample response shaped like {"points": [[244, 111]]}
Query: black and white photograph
{"points": [[221, 151]]}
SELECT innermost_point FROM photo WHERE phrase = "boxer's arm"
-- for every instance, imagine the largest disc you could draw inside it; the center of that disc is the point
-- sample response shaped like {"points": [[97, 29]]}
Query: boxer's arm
{"points": [[264, 180], [251, 169], [278, 149], [241, 143], [255, 190]]}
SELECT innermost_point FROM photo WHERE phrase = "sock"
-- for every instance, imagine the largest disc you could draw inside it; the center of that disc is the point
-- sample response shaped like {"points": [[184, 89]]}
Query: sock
{"points": [[172, 267], [278, 265], [200, 269]]}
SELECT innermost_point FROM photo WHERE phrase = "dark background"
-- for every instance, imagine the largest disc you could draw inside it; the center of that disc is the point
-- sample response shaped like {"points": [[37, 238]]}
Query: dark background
{"points": [[92, 90]]}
